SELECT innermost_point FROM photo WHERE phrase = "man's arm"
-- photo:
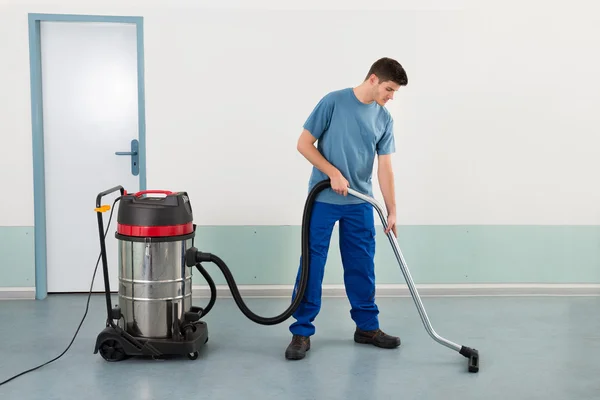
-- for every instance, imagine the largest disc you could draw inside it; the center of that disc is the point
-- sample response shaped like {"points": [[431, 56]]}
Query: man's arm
{"points": [[306, 147], [385, 175]]}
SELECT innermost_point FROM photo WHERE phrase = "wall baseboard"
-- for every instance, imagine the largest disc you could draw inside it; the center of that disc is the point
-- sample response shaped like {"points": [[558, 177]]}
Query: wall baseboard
{"points": [[398, 290], [17, 293], [383, 290]]}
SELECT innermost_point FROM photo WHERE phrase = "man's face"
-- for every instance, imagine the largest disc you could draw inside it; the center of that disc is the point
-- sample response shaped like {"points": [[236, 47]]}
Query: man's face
{"points": [[383, 91]]}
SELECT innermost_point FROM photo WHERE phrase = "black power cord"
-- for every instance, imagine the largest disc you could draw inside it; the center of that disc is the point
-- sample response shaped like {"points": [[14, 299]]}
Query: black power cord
{"points": [[86, 308]]}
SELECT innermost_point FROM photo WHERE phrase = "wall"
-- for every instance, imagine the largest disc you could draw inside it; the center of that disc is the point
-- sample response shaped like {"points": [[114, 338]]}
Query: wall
{"points": [[497, 132]]}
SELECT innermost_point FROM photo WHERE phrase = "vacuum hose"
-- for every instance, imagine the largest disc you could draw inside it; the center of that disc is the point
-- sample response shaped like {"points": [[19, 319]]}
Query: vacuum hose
{"points": [[213, 289], [195, 257]]}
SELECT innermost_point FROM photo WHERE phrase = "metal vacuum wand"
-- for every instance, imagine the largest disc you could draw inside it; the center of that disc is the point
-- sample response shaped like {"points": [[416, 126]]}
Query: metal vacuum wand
{"points": [[471, 354]]}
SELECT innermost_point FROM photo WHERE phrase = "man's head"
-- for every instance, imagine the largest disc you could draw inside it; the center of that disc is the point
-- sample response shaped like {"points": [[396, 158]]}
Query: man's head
{"points": [[385, 77]]}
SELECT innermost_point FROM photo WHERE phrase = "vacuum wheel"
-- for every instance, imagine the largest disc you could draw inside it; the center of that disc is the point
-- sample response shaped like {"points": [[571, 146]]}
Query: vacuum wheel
{"points": [[112, 350], [193, 356]]}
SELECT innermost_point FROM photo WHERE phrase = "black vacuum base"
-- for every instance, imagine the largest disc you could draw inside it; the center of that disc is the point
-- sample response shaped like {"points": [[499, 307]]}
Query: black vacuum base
{"points": [[473, 356], [114, 344]]}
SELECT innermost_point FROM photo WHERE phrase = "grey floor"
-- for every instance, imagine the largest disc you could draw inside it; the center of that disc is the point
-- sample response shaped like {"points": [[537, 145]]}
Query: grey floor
{"points": [[531, 348]]}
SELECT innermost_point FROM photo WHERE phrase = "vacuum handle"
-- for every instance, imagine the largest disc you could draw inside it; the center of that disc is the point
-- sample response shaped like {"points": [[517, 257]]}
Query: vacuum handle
{"points": [[167, 192], [100, 209], [109, 191]]}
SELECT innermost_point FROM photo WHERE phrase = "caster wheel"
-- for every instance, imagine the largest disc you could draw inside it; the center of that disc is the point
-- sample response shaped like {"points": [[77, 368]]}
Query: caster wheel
{"points": [[112, 350], [193, 356]]}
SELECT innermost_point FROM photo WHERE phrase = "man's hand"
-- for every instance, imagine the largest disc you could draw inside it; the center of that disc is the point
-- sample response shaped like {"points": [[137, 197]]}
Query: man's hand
{"points": [[339, 184], [391, 224]]}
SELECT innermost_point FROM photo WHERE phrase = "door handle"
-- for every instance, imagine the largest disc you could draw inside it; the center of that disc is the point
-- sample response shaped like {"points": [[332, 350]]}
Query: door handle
{"points": [[135, 168]]}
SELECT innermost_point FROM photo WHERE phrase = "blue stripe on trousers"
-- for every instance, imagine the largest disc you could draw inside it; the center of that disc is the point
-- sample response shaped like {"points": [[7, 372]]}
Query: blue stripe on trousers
{"points": [[357, 248]]}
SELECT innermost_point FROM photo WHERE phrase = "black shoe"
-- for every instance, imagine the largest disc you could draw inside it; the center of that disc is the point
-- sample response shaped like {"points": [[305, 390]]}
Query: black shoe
{"points": [[376, 338], [298, 347]]}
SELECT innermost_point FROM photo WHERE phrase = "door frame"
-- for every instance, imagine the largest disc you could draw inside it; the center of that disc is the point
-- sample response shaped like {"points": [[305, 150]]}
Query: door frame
{"points": [[37, 126]]}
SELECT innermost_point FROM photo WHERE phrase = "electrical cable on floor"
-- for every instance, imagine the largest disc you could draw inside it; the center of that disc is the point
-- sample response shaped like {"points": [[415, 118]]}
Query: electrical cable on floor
{"points": [[84, 315]]}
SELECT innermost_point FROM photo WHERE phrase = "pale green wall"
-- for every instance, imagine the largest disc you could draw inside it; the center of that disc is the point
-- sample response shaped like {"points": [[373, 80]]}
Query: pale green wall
{"points": [[17, 258], [435, 254]]}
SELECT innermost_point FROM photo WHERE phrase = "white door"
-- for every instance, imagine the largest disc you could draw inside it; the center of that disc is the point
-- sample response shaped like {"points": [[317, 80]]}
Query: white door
{"points": [[90, 111]]}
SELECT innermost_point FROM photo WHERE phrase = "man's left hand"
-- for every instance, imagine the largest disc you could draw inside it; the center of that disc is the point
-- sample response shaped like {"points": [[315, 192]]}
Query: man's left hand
{"points": [[391, 222]]}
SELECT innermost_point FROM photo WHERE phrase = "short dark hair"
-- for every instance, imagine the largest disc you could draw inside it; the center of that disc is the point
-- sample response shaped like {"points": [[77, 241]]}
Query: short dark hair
{"points": [[388, 69]]}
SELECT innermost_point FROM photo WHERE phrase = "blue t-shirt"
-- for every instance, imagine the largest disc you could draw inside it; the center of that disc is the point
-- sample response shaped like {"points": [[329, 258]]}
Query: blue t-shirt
{"points": [[349, 135]]}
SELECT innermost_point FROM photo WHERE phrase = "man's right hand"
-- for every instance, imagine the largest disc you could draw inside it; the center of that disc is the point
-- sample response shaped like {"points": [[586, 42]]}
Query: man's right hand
{"points": [[339, 184]]}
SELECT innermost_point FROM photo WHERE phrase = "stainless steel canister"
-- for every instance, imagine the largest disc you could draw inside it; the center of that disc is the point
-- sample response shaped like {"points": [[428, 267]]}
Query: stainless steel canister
{"points": [[155, 286]]}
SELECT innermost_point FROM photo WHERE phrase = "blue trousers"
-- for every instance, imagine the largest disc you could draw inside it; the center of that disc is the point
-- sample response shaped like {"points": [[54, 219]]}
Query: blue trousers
{"points": [[357, 249]]}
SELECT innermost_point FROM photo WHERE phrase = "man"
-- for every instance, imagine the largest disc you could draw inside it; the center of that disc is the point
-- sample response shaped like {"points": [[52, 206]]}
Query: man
{"points": [[352, 126]]}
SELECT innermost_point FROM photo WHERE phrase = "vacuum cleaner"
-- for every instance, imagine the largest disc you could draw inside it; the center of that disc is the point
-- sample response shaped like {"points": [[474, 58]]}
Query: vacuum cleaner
{"points": [[156, 252]]}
